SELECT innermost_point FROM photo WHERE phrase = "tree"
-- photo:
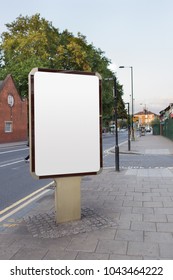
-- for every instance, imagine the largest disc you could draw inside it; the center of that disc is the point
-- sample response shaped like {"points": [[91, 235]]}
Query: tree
{"points": [[27, 45], [34, 42]]}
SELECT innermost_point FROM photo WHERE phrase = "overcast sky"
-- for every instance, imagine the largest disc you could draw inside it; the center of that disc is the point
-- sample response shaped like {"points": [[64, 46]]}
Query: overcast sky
{"points": [[135, 33]]}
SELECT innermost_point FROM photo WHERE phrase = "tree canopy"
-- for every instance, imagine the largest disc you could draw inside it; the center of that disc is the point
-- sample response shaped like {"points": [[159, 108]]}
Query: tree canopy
{"points": [[31, 42]]}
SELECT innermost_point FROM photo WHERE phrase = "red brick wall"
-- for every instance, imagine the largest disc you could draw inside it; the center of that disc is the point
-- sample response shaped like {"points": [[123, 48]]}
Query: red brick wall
{"points": [[17, 114]]}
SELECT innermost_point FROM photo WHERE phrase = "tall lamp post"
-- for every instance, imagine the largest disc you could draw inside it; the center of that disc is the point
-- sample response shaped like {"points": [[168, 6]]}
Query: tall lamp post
{"points": [[133, 138], [128, 124], [116, 123]]}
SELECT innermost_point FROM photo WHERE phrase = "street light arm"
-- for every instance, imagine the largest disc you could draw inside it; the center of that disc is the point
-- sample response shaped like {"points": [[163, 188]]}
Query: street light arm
{"points": [[125, 66]]}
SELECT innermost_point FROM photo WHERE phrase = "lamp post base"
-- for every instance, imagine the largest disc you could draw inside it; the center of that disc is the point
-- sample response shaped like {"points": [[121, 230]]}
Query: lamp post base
{"points": [[117, 164]]}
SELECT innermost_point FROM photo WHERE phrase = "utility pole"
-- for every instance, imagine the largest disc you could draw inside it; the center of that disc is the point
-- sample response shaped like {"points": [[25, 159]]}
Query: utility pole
{"points": [[117, 168]]}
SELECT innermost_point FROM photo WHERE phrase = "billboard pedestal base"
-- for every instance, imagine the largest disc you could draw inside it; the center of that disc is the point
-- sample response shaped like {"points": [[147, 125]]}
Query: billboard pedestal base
{"points": [[67, 199]]}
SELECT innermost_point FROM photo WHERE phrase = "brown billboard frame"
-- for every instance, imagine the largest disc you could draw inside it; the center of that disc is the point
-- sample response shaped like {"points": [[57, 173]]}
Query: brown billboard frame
{"points": [[32, 121]]}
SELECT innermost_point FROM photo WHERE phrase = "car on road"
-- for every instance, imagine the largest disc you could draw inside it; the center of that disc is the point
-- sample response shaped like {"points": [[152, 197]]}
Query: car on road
{"points": [[148, 129]]}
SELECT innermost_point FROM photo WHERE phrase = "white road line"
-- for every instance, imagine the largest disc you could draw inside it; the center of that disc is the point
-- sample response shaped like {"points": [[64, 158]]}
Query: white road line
{"points": [[107, 151], [11, 163]]}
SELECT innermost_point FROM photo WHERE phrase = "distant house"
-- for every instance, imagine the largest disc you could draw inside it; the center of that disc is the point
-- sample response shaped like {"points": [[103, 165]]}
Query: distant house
{"points": [[167, 113], [145, 117], [13, 113], [166, 122]]}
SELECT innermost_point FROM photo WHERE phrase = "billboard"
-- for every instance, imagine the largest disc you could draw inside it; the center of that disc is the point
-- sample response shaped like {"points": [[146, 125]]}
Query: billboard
{"points": [[65, 123]]}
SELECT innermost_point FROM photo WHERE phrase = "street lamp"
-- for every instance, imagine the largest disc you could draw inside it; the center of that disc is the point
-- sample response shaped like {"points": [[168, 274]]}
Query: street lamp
{"points": [[128, 124], [116, 123], [133, 138]]}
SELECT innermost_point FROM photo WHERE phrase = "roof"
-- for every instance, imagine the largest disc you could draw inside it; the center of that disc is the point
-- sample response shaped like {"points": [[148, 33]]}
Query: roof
{"points": [[166, 109], [3, 83], [145, 112]]}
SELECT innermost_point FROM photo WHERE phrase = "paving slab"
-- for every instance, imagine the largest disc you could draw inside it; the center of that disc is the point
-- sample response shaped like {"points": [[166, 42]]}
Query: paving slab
{"points": [[166, 250], [143, 248], [112, 246], [29, 254], [158, 237]]}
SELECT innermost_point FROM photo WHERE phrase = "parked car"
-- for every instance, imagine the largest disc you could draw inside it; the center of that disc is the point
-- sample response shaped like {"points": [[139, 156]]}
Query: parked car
{"points": [[148, 129]]}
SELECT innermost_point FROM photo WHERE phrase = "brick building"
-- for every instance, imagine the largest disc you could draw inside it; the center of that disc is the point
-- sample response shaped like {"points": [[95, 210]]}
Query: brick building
{"points": [[13, 113]]}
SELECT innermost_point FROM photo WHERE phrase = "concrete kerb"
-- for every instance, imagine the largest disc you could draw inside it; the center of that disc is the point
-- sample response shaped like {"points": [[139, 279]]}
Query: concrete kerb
{"points": [[123, 148]]}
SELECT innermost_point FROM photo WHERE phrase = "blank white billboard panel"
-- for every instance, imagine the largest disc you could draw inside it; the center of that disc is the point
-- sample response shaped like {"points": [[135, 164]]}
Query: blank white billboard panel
{"points": [[65, 123]]}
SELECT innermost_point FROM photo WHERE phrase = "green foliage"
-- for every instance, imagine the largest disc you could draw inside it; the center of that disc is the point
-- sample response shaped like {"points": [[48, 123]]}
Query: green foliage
{"points": [[155, 121], [33, 42], [27, 45]]}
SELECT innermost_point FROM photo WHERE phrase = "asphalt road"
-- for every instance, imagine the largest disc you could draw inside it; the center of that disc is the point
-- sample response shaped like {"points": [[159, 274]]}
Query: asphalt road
{"points": [[16, 181], [109, 139]]}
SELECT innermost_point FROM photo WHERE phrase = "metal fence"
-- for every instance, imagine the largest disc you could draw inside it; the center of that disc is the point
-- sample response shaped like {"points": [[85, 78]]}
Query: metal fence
{"points": [[167, 129]]}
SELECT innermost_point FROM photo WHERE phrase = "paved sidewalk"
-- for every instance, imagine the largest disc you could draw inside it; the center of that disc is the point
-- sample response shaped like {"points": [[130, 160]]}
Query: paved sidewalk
{"points": [[150, 144], [13, 144], [125, 215]]}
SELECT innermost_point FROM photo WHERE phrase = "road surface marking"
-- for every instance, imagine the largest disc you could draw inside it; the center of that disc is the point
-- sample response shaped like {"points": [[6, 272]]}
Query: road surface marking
{"points": [[23, 200], [11, 163], [107, 151], [22, 206]]}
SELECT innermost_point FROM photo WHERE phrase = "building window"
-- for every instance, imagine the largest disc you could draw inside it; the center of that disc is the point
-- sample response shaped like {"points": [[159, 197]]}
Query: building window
{"points": [[8, 127], [10, 100]]}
